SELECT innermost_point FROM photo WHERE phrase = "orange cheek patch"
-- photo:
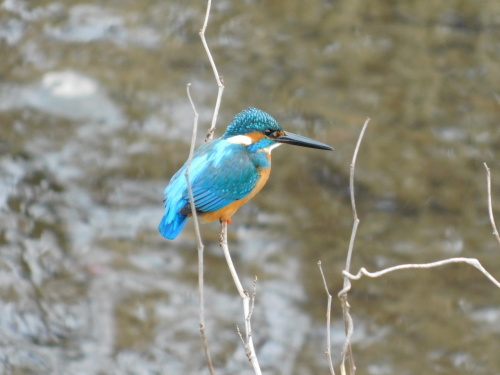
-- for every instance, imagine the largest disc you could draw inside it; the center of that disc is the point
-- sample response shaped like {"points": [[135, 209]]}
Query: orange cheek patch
{"points": [[255, 136]]}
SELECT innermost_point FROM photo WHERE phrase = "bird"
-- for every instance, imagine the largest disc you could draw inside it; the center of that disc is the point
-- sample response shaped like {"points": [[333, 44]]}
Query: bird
{"points": [[226, 173]]}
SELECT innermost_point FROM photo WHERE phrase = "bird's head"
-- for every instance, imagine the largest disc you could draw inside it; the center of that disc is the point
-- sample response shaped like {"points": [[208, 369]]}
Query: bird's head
{"points": [[258, 130]]}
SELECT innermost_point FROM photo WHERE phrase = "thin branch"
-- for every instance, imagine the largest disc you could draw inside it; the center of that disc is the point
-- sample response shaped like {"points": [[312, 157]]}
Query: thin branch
{"points": [[188, 169], [242, 339], [490, 203], [249, 348], [349, 328], [248, 351], [252, 299], [198, 236], [218, 78], [328, 310], [353, 199], [472, 261]]}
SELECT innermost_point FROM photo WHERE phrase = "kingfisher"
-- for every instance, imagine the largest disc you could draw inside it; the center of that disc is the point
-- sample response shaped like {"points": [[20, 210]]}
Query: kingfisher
{"points": [[227, 172]]}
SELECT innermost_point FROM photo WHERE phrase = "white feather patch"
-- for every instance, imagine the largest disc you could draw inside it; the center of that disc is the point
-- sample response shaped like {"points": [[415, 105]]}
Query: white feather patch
{"points": [[240, 140], [270, 148]]}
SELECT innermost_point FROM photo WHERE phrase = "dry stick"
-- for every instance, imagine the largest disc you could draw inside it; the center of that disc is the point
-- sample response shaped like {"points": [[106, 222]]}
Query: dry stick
{"points": [[248, 342], [252, 300], [198, 236], [218, 78], [349, 328], [328, 310], [490, 203], [252, 305], [472, 261]]}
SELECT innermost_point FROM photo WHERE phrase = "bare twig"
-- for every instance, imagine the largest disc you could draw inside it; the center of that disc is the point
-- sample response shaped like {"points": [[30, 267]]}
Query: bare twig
{"points": [[353, 199], [252, 299], [490, 203], [198, 236], [218, 78], [242, 339], [190, 159], [248, 351], [472, 261], [248, 342], [347, 350], [328, 310]]}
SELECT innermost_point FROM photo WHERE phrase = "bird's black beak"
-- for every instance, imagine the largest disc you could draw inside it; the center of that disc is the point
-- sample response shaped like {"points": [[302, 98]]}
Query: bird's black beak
{"points": [[299, 140]]}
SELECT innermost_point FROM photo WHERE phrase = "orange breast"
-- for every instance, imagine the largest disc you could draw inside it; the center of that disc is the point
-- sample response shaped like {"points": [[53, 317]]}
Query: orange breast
{"points": [[226, 212]]}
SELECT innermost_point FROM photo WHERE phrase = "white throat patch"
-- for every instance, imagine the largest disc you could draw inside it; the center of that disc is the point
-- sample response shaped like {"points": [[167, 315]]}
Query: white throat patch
{"points": [[240, 140], [272, 147]]}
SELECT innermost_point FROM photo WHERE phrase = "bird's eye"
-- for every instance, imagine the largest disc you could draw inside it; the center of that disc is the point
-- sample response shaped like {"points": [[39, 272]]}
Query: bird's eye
{"points": [[270, 133]]}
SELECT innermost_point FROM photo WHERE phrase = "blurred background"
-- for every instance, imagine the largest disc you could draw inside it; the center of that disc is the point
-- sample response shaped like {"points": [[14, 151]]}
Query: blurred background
{"points": [[95, 120]]}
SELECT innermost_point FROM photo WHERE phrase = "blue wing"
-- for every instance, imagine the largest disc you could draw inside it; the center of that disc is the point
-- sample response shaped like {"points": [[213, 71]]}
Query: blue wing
{"points": [[220, 173]]}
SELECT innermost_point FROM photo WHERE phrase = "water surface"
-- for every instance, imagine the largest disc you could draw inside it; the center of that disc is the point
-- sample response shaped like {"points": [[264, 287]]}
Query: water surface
{"points": [[95, 119]]}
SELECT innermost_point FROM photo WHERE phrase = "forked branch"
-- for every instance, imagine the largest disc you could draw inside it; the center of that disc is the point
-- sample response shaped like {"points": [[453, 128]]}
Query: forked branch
{"points": [[347, 351], [471, 261], [248, 302]]}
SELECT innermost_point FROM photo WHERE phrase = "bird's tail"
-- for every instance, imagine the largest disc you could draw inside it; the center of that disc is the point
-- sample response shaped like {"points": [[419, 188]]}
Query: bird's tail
{"points": [[170, 227]]}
